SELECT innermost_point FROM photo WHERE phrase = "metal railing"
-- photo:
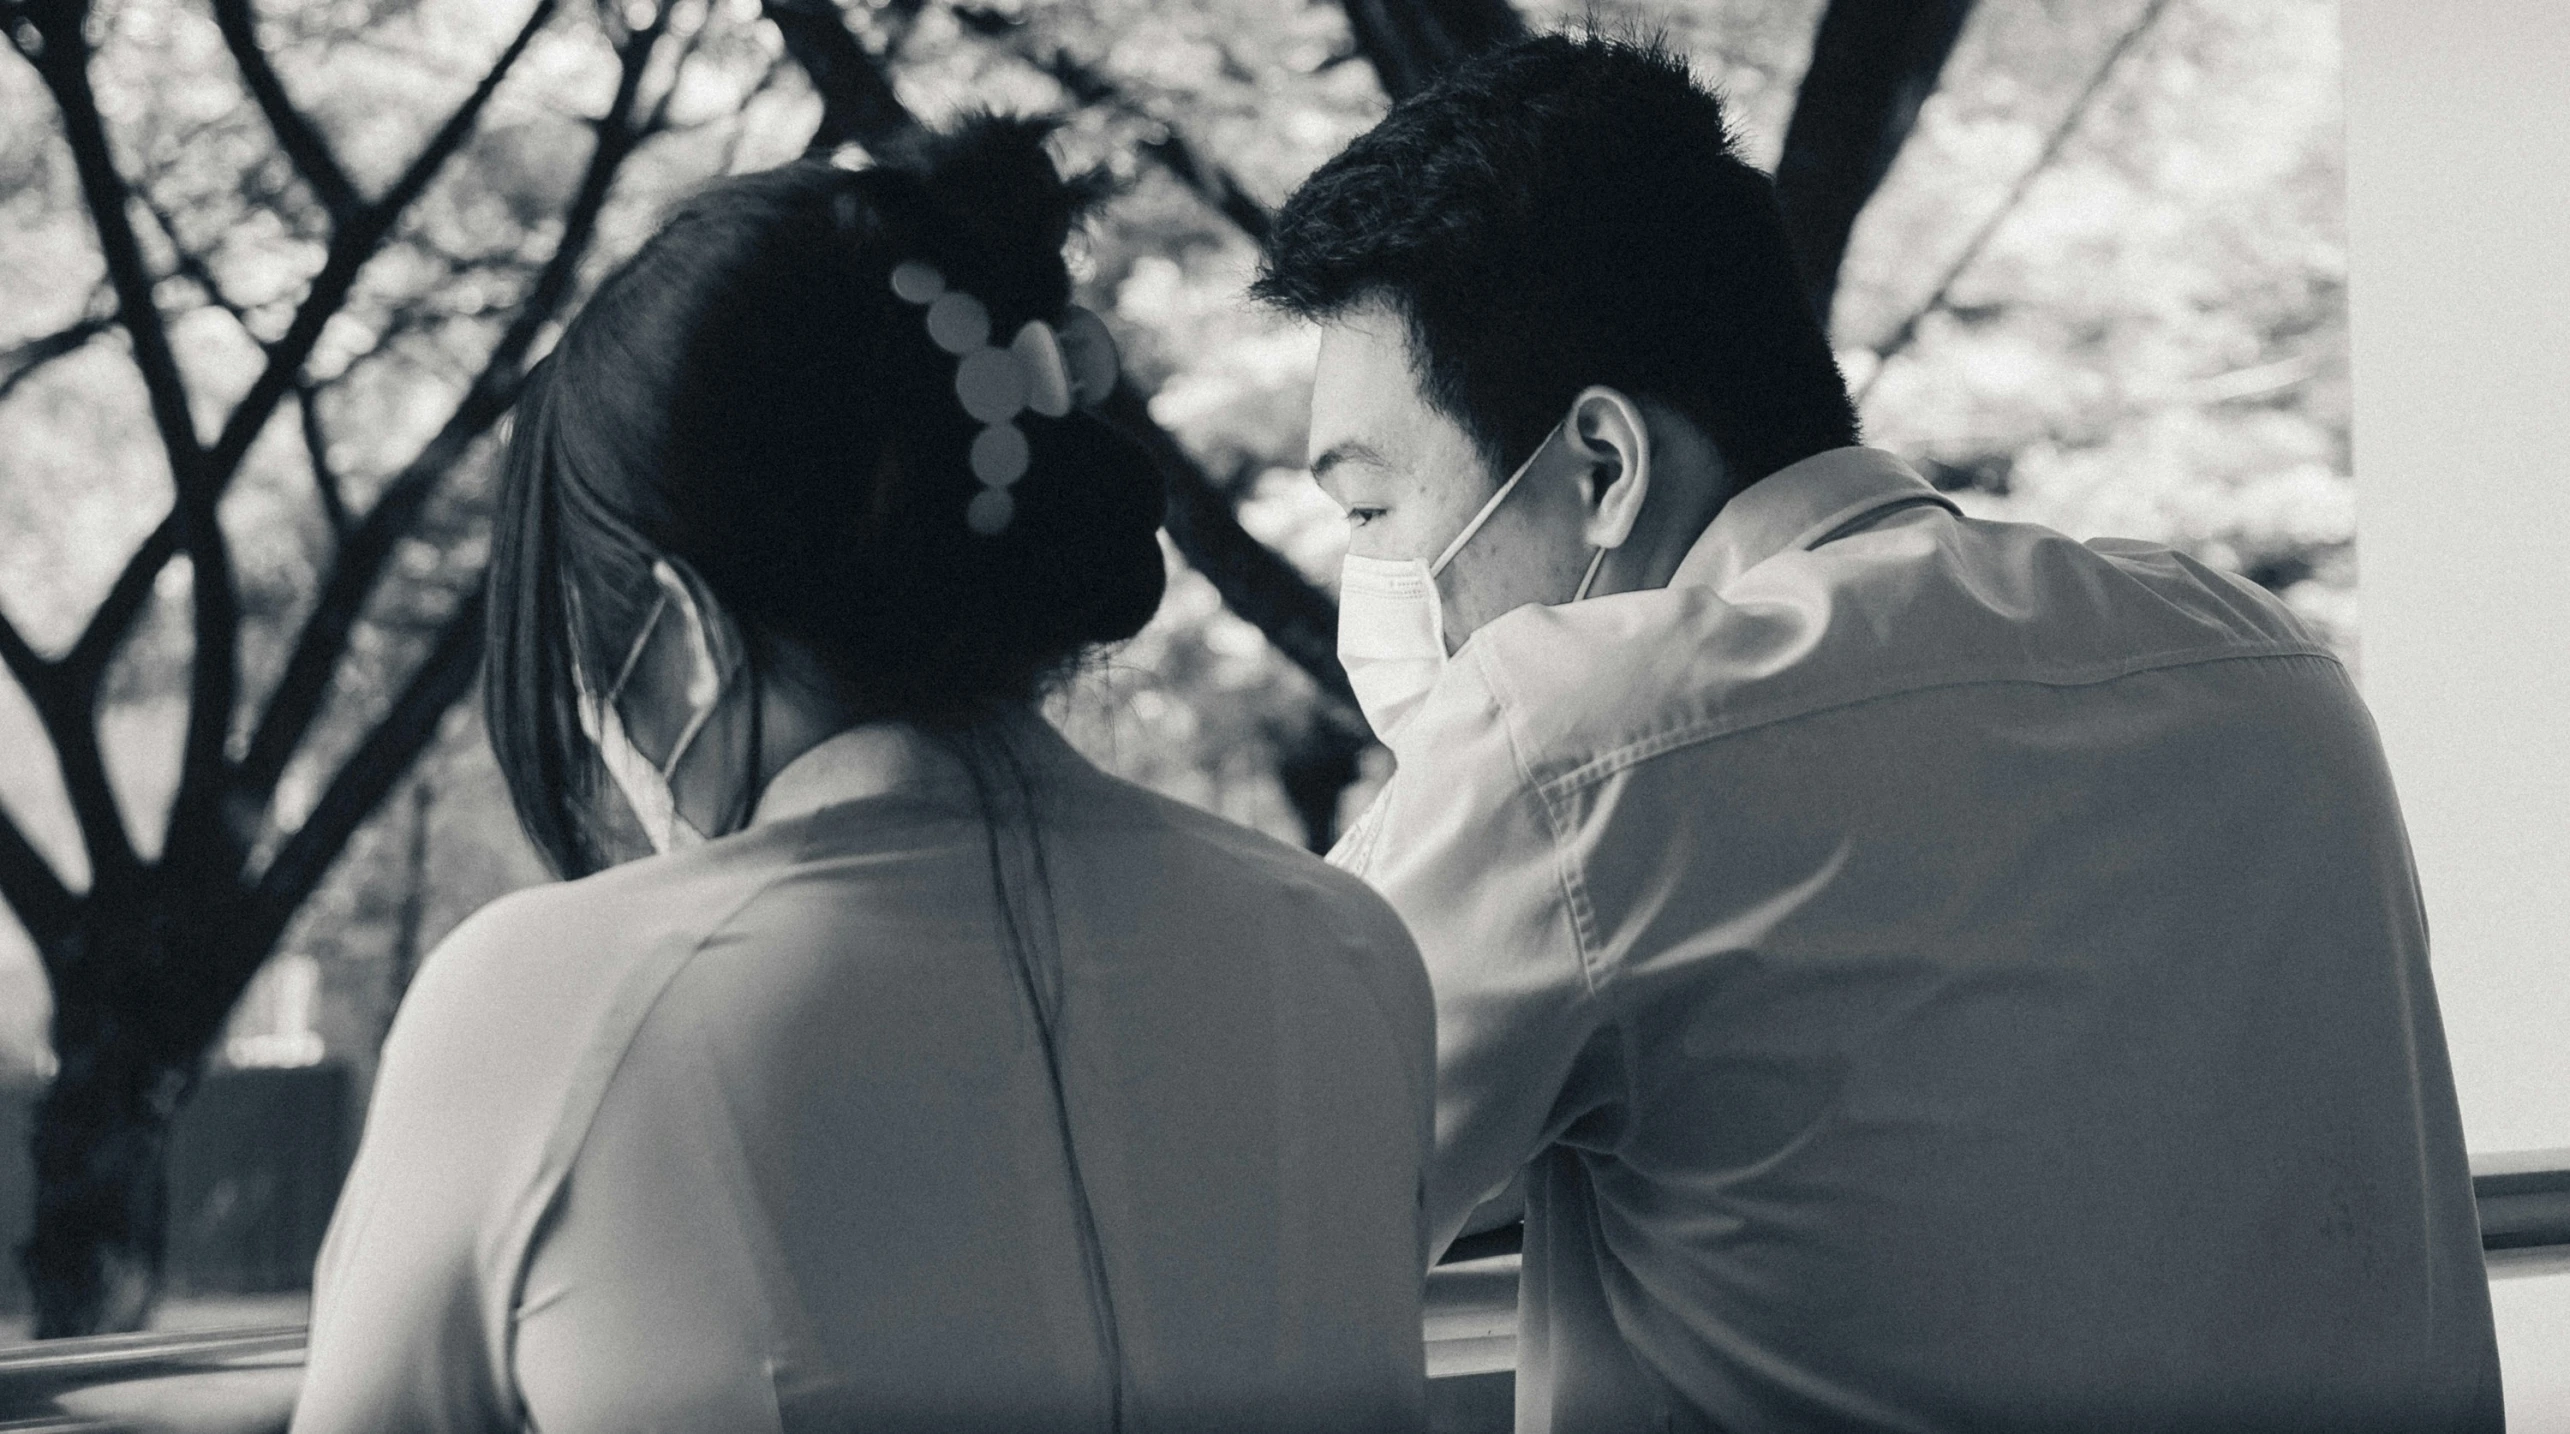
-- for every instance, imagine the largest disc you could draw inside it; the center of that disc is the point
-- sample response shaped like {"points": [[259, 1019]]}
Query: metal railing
{"points": [[236, 1381], [2524, 1199], [242, 1381]]}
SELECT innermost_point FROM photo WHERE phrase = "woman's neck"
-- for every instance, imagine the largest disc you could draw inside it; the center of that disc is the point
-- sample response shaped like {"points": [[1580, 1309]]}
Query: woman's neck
{"points": [[789, 715]]}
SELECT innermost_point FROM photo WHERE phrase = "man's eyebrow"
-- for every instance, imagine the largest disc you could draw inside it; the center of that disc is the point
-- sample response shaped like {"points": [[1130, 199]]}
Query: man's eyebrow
{"points": [[1351, 451]]}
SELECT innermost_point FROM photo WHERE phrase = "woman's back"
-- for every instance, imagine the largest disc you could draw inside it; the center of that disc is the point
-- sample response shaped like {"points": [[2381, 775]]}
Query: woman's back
{"points": [[762, 1134]]}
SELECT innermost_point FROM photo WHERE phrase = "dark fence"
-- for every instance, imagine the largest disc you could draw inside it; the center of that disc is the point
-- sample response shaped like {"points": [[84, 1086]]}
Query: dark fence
{"points": [[255, 1162]]}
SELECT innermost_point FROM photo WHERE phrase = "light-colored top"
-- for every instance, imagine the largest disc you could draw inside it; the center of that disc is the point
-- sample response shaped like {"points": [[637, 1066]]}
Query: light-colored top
{"points": [[758, 1136], [1944, 976]]}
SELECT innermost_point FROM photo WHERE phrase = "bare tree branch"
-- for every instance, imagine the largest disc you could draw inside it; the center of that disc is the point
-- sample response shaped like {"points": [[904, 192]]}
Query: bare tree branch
{"points": [[1873, 64], [618, 136], [71, 726], [1907, 331], [190, 264], [28, 882], [63, 63], [67, 714], [22, 360], [108, 627], [1209, 180], [199, 475], [355, 569], [214, 667], [303, 144], [416, 315], [316, 448], [1254, 582], [1316, 762], [1217, 186], [379, 762], [355, 243], [857, 100], [368, 547], [25, 664], [1411, 42], [196, 823]]}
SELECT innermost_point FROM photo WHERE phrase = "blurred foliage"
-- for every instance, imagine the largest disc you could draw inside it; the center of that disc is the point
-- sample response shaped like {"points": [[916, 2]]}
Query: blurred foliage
{"points": [[2152, 343]]}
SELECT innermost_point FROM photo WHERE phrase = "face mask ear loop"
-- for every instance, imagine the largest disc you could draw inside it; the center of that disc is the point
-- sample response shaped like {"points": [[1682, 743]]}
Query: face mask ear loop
{"points": [[1590, 581], [633, 654], [686, 737], [704, 682], [1490, 507], [704, 698], [1474, 526]]}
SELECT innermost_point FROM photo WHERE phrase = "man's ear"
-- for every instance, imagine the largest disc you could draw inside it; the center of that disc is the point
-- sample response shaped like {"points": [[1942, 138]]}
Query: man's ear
{"points": [[1607, 430]]}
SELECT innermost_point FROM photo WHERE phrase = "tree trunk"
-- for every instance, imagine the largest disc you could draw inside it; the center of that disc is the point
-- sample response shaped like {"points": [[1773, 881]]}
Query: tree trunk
{"points": [[1873, 63], [130, 1040], [1411, 42], [101, 1146], [100, 1143], [1316, 768]]}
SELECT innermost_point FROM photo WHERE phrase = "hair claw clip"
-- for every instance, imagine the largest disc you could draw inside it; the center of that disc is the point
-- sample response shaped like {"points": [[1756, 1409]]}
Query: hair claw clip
{"points": [[1046, 369]]}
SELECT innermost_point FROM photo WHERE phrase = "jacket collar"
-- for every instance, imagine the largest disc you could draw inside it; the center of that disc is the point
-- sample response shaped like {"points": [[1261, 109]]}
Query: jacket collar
{"points": [[1801, 506]]}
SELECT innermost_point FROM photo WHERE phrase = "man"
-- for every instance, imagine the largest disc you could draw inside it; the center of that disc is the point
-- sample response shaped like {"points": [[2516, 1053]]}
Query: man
{"points": [[1932, 974]]}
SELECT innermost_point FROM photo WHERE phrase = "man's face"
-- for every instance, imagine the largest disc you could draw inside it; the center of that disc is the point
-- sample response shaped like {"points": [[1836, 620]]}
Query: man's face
{"points": [[1409, 478]]}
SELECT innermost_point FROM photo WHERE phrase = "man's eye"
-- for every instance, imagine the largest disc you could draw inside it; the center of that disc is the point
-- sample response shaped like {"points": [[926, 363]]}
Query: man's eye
{"points": [[1359, 517]]}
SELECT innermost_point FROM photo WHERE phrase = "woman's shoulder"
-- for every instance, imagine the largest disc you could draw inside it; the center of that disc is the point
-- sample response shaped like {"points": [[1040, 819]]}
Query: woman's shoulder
{"points": [[1265, 892], [556, 937], [1218, 848], [505, 1008]]}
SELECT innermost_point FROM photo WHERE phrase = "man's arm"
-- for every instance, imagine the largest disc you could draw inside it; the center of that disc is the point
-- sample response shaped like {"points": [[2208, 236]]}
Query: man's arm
{"points": [[1464, 850]]}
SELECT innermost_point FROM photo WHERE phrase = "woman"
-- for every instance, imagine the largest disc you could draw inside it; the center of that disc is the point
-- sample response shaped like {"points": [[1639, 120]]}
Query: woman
{"points": [[951, 1084]]}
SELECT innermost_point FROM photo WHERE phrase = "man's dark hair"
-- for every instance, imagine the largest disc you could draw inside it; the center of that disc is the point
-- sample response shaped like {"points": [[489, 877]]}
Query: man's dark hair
{"points": [[1562, 211]]}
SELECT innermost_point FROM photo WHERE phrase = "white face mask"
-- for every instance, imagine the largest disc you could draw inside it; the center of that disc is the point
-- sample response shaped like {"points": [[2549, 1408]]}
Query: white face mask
{"points": [[1392, 624], [647, 788]]}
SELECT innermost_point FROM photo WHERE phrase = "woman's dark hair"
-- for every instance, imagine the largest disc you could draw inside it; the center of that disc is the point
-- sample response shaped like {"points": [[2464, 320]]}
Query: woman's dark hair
{"points": [[1562, 211], [748, 395]]}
